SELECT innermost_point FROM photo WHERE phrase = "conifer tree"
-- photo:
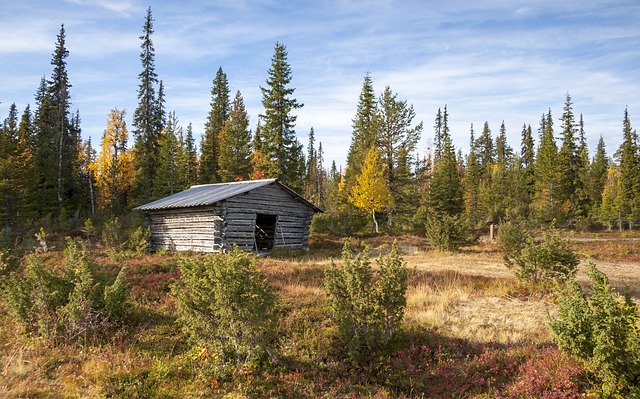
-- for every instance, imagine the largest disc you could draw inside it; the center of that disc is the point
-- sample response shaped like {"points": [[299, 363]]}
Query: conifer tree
{"points": [[313, 179], [438, 136], [15, 169], [582, 199], [503, 151], [189, 160], [397, 142], [280, 151], [365, 125], [65, 143], [546, 172], [567, 161], [218, 114], [486, 153], [500, 195], [472, 180], [527, 157], [609, 210], [445, 191], [629, 166], [56, 141], [234, 159], [597, 176], [168, 174], [147, 118], [43, 199]]}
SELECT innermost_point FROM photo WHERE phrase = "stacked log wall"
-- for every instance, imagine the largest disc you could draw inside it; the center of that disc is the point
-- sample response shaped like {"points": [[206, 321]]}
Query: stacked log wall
{"points": [[186, 229]]}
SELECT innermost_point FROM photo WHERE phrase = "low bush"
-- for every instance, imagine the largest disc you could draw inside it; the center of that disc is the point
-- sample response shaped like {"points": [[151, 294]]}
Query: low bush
{"points": [[538, 262], [226, 305], [66, 301], [368, 308], [602, 329], [447, 232]]}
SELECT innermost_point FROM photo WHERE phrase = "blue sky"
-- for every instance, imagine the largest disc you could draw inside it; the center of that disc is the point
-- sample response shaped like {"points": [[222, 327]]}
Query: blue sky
{"points": [[486, 60]]}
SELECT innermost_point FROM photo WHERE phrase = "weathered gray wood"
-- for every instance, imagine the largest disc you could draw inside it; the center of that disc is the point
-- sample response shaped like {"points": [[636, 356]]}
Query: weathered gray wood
{"points": [[232, 222]]}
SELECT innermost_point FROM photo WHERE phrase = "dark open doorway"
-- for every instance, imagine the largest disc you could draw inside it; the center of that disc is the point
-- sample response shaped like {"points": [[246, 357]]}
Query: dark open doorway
{"points": [[265, 231]]}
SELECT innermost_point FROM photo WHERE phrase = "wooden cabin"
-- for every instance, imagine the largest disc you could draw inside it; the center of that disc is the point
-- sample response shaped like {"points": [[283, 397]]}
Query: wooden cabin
{"points": [[255, 215]]}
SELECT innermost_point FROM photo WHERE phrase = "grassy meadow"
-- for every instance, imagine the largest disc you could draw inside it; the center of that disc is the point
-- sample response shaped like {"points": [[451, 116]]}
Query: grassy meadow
{"points": [[471, 330]]}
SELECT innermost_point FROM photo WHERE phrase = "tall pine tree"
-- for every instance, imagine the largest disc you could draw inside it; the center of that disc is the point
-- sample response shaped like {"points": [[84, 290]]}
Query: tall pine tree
{"points": [[397, 140], [234, 158], [545, 203], [218, 114], [281, 154], [147, 118], [597, 177], [629, 167], [365, 128]]}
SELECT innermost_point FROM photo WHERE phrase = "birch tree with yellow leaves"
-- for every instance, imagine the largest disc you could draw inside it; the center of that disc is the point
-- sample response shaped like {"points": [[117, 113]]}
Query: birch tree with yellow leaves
{"points": [[371, 191], [113, 168]]}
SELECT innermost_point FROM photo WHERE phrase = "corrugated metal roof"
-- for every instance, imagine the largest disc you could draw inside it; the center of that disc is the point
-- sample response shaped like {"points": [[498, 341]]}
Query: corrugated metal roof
{"points": [[209, 194]]}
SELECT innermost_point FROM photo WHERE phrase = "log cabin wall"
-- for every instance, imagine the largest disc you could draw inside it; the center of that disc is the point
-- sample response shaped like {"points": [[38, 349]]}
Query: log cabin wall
{"points": [[186, 229]]}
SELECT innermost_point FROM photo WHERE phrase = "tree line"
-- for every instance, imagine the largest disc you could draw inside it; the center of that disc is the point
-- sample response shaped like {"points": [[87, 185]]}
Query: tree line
{"points": [[48, 171]]}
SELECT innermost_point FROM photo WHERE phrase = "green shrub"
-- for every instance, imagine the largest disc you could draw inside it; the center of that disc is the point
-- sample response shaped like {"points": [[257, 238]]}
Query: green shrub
{"points": [[61, 301], [602, 329], [226, 303], [367, 308], [138, 241], [539, 262], [447, 232], [116, 297], [512, 238], [112, 233]]}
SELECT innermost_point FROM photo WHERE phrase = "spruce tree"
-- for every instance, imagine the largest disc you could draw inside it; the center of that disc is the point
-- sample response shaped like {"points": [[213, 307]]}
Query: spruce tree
{"points": [[500, 197], [446, 193], [15, 170], [312, 178], [527, 157], [486, 152], [169, 153], [597, 176], [397, 142], [545, 204], [567, 161], [147, 118], [43, 197], [629, 166], [582, 200], [280, 151], [234, 158], [438, 136], [365, 131], [472, 179], [218, 114], [189, 160]]}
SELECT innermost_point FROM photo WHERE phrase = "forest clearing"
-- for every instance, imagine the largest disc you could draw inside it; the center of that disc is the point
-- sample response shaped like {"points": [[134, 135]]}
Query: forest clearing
{"points": [[471, 329]]}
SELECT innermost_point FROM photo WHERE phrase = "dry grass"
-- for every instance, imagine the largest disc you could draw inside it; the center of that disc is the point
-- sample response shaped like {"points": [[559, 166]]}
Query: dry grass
{"points": [[470, 296]]}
